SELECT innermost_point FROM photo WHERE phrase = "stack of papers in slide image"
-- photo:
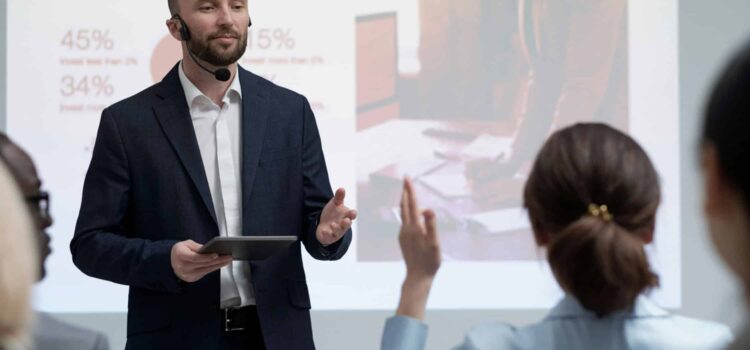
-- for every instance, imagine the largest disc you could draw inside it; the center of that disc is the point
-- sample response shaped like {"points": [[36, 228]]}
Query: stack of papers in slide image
{"points": [[447, 185], [488, 146], [499, 221], [394, 173]]}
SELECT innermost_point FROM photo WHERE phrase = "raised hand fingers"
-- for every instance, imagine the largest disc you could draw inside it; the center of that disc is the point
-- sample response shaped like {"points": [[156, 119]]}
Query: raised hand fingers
{"points": [[405, 219], [412, 205], [430, 224]]}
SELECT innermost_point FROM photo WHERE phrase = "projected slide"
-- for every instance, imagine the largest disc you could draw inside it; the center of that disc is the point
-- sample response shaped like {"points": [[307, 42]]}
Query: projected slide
{"points": [[457, 94]]}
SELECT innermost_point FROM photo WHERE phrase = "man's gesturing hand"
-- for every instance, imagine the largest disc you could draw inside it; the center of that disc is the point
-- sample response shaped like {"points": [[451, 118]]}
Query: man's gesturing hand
{"points": [[191, 266], [335, 220]]}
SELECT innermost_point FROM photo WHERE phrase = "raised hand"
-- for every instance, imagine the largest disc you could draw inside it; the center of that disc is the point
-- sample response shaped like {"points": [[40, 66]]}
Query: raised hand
{"points": [[420, 247], [418, 237]]}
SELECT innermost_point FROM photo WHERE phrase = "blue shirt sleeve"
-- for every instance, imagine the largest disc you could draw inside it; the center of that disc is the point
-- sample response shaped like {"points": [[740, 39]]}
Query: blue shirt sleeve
{"points": [[403, 333]]}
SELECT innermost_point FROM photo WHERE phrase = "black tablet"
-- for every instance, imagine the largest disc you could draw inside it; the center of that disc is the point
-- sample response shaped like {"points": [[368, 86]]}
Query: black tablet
{"points": [[247, 247]]}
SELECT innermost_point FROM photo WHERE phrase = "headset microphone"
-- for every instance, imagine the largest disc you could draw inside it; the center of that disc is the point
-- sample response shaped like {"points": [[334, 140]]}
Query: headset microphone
{"points": [[221, 74]]}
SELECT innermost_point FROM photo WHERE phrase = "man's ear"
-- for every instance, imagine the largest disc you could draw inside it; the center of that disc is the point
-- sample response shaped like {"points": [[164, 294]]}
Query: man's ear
{"points": [[173, 26]]}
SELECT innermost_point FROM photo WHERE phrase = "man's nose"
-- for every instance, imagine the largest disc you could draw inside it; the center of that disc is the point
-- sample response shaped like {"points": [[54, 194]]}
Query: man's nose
{"points": [[225, 16]]}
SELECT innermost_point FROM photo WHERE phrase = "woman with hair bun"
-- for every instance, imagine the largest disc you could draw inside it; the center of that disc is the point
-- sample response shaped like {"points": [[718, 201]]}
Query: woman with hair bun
{"points": [[592, 197]]}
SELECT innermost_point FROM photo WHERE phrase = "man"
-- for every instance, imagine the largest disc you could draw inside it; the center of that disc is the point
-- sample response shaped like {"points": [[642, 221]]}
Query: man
{"points": [[48, 332], [194, 157]]}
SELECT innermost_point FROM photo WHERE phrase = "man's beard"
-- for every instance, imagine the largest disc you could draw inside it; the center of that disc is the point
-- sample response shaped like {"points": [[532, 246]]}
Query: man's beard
{"points": [[208, 54]]}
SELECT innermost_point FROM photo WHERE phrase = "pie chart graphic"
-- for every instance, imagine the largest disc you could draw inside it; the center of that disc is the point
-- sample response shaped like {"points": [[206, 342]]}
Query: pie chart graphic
{"points": [[166, 54]]}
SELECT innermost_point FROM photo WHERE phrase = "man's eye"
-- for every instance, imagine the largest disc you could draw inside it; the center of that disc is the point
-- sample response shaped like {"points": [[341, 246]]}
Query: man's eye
{"points": [[206, 8]]}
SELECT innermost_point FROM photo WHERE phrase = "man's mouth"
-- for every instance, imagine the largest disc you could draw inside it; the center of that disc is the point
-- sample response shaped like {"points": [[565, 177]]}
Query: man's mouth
{"points": [[225, 36]]}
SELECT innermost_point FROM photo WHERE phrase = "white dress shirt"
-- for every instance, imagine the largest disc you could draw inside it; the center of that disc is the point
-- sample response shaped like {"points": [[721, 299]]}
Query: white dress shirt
{"points": [[213, 124]]}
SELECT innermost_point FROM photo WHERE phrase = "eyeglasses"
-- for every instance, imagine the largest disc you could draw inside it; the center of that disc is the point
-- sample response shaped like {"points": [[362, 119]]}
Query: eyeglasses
{"points": [[41, 202]]}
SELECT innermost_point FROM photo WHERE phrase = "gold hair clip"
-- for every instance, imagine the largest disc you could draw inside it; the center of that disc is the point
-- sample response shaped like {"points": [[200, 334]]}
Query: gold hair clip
{"points": [[600, 211]]}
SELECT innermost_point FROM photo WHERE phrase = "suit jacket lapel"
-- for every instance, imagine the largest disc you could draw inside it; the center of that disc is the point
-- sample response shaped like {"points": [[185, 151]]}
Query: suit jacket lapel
{"points": [[173, 115], [255, 111]]}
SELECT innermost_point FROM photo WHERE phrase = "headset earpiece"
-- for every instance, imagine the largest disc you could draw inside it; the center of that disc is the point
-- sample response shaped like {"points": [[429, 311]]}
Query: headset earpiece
{"points": [[184, 31]]}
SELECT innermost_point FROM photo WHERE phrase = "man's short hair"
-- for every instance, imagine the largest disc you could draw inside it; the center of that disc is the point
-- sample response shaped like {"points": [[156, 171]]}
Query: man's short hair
{"points": [[173, 9]]}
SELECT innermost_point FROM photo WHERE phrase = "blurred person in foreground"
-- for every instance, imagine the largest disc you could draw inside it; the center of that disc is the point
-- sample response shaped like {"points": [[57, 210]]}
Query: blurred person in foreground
{"points": [[48, 332], [18, 269], [725, 158]]}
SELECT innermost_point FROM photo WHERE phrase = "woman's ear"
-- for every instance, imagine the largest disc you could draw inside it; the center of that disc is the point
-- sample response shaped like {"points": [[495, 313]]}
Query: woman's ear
{"points": [[648, 236], [541, 236]]}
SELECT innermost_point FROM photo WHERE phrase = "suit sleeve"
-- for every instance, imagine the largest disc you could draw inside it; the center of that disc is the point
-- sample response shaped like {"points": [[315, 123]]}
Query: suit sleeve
{"points": [[317, 190], [101, 246]]}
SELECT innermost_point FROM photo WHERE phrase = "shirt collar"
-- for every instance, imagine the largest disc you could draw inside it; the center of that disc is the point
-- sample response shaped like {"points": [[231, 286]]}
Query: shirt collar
{"points": [[192, 92], [570, 307]]}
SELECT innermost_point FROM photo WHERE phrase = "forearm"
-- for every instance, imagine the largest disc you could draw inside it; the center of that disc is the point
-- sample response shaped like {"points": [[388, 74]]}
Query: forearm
{"points": [[414, 293], [128, 261]]}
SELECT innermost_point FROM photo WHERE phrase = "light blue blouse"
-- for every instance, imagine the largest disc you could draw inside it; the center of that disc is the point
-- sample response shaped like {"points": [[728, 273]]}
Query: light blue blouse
{"points": [[570, 326]]}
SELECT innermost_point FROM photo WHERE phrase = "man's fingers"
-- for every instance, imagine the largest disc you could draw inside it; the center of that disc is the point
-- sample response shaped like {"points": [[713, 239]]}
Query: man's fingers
{"points": [[351, 215], [202, 271], [192, 245], [335, 227], [345, 224], [338, 198], [198, 258], [221, 261]]}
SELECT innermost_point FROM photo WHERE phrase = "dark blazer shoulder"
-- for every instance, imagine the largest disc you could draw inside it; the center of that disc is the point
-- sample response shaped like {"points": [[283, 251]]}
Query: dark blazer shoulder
{"points": [[142, 99], [134, 106]]}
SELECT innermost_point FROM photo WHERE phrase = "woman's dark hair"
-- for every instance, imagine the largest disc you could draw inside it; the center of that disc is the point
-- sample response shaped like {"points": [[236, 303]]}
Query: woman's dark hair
{"points": [[598, 258], [727, 121]]}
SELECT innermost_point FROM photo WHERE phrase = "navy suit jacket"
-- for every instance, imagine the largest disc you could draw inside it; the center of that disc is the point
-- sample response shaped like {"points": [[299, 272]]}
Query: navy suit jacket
{"points": [[146, 189]]}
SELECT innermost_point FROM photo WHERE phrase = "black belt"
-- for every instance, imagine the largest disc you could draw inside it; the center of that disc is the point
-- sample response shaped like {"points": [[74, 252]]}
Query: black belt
{"points": [[241, 318]]}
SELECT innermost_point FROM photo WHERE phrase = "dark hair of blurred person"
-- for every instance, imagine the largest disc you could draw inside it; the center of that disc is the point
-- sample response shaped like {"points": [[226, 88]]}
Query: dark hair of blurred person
{"points": [[726, 167]]}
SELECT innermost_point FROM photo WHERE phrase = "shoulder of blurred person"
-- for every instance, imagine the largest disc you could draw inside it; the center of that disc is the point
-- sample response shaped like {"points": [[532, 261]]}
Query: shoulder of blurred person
{"points": [[742, 342], [18, 266], [570, 326], [51, 333]]}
